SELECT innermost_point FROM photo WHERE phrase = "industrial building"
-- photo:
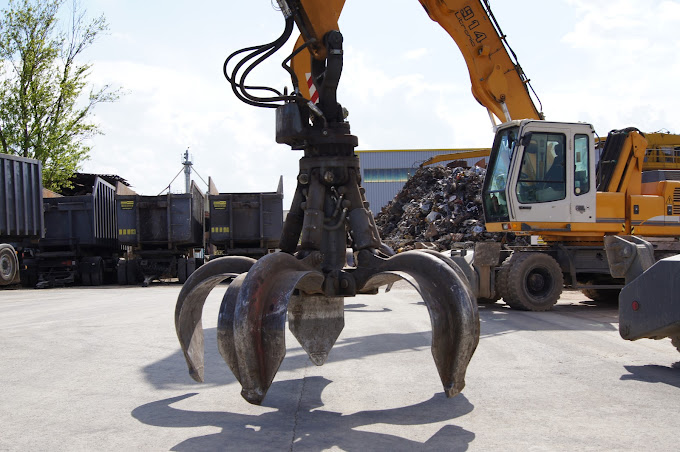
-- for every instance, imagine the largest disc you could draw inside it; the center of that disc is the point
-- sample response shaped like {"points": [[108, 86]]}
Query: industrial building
{"points": [[384, 172]]}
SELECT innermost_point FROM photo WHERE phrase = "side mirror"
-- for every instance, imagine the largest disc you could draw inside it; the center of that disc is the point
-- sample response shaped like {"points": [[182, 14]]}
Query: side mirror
{"points": [[526, 139]]}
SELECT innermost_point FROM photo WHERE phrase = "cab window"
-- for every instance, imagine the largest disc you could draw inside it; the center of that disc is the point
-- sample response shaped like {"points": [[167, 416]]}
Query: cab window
{"points": [[581, 165], [495, 202], [542, 172]]}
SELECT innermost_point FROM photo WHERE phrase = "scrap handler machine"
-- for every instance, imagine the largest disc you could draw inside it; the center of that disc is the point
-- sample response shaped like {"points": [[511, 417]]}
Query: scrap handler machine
{"points": [[574, 206], [307, 281]]}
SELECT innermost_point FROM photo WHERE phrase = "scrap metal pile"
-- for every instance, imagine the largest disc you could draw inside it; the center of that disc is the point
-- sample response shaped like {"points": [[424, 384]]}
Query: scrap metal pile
{"points": [[437, 208]]}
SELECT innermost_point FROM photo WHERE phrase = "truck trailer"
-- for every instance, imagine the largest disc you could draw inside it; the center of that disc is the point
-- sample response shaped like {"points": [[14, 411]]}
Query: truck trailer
{"points": [[21, 216], [246, 224], [164, 235], [80, 244]]}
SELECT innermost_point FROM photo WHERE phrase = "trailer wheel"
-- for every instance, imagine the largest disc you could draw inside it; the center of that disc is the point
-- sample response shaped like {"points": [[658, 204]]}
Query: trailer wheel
{"points": [[182, 270], [533, 281], [97, 276], [94, 276], [9, 264], [121, 271], [132, 271]]}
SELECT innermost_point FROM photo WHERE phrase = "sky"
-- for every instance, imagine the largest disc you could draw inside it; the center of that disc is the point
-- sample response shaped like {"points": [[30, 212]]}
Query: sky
{"points": [[612, 63]]}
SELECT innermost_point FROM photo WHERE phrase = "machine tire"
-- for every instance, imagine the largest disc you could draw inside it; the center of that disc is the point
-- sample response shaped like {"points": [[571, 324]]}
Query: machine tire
{"points": [[502, 278], [9, 264], [533, 281], [487, 300], [86, 279], [610, 296]]}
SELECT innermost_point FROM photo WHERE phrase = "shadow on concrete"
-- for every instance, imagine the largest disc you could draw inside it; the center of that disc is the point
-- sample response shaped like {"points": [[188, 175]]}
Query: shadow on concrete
{"points": [[654, 374], [359, 307], [497, 319], [299, 423], [172, 370], [585, 306]]}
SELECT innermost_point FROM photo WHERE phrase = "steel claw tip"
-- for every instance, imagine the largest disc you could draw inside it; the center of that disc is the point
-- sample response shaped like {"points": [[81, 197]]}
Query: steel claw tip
{"points": [[253, 396], [197, 374], [318, 358], [453, 389]]}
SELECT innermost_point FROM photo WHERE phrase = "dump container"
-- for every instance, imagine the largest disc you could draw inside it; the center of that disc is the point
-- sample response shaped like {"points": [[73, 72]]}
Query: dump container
{"points": [[82, 221], [246, 223], [21, 214], [171, 221], [80, 243]]}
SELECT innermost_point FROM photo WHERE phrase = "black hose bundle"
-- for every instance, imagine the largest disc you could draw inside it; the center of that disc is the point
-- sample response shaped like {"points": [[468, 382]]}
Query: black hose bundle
{"points": [[237, 76]]}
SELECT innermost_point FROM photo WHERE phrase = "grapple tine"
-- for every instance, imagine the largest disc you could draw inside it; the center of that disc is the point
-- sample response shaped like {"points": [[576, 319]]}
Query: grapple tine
{"points": [[225, 325], [260, 317], [189, 307], [316, 322], [450, 303]]}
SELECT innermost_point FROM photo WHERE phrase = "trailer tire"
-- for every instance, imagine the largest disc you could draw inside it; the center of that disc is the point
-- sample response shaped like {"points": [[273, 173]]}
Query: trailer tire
{"points": [[182, 270], [533, 281], [131, 272], [9, 265], [97, 276], [29, 277], [121, 273], [94, 274]]}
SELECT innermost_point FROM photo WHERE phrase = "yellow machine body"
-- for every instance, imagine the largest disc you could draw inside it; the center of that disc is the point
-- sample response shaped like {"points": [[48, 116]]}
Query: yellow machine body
{"points": [[615, 201]]}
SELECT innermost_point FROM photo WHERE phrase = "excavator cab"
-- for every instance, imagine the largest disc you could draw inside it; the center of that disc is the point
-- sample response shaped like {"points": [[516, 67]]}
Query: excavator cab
{"points": [[540, 177]]}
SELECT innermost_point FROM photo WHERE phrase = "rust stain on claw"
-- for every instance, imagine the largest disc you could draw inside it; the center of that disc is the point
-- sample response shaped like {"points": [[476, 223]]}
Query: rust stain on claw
{"points": [[189, 307]]}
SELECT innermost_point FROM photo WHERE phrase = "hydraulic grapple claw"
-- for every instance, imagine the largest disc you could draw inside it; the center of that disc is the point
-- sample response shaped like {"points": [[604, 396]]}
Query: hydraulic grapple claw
{"points": [[452, 307], [189, 308], [260, 318], [309, 278], [225, 325]]}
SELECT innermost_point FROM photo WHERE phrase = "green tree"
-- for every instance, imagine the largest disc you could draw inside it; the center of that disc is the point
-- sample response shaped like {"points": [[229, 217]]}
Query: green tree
{"points": [[45, 112]]}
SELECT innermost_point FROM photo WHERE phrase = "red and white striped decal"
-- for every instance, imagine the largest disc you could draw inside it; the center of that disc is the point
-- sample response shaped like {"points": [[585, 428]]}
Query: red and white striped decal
{"points": [[313, 95]]}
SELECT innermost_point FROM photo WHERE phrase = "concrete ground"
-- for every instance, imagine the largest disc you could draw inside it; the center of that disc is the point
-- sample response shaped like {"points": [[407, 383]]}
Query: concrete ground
{"points": [[101, 369]]}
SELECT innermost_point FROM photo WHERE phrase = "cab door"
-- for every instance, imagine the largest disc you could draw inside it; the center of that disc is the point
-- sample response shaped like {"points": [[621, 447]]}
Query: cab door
{"points": [[583, 190], [554, 174], [541, 191]]}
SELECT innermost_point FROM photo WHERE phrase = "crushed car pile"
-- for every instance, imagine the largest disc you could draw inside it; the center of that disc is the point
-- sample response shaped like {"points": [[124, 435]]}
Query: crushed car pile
{"points": [[439, 208]]}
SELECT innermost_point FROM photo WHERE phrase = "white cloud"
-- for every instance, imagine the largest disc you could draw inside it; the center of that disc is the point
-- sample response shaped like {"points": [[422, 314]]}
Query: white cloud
{"points": [[416, 54], [612, 63]]}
